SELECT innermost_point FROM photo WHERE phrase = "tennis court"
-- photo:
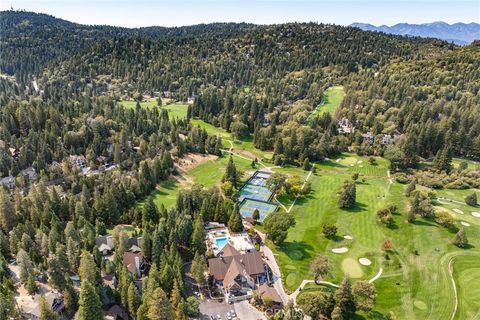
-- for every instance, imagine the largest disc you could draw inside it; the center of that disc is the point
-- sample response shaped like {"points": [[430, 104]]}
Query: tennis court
{"points": [[248, 206], [254, 192]]}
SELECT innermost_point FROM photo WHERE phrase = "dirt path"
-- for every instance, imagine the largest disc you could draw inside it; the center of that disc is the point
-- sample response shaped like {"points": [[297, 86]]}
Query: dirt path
{"points": [[455, 294], [303, 186]]}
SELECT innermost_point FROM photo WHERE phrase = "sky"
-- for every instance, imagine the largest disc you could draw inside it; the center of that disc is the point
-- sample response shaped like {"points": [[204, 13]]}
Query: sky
{"points": [[141, 13]]}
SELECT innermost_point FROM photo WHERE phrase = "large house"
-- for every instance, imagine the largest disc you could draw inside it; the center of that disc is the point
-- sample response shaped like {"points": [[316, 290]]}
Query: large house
{"points": [[31, 310], [237, 274], [105, 244], [135, 263]]}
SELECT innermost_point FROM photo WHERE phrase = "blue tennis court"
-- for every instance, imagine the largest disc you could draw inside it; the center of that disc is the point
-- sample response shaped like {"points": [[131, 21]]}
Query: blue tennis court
{"points": [[255, 192], [248, 206]]}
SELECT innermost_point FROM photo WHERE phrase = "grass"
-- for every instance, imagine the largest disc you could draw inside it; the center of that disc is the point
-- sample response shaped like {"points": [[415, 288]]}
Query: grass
{"points": [[333, 97], [127, 228], [412, 286], [208, 174], [466, 272]]}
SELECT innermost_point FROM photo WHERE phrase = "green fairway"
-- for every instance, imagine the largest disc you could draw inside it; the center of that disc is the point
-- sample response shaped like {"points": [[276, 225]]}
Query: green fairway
{"points": [[166, 194], [415, 282], [333, 97], [466, 272]]}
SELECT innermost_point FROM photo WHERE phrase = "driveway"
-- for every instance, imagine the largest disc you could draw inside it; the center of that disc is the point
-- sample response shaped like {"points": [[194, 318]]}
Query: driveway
{"points": [[245, 311], [209, 308]]}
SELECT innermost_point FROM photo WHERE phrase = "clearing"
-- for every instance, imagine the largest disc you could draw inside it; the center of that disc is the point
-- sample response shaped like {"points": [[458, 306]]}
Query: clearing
{"points": [[332, 99]]}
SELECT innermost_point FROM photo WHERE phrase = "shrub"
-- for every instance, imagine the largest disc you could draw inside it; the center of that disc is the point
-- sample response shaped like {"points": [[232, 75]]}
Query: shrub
{"points": [[471, 199]]}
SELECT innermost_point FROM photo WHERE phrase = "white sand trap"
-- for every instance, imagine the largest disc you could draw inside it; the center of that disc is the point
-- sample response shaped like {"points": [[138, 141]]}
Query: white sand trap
{"points": [[361, 166], [348, 237], [340, 250], [466, 224], [351, 165], [458, 211], [365, 261], [359, 161], [338, 160], [476, 214]]}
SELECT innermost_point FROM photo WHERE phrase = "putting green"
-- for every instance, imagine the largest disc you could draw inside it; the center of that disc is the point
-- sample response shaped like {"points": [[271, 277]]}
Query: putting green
{"points": [[352, 267], [420, 304], [290, 279]]}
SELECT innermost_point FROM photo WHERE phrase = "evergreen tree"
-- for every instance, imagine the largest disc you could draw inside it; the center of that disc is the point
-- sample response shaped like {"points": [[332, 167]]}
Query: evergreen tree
{"points": [[347, 196], [231, 173], [460, 239], [159, 308], [90, 306], [344, 301], [46, 312], [134, 299], [410, 188], [198, 236], [235, 221]]}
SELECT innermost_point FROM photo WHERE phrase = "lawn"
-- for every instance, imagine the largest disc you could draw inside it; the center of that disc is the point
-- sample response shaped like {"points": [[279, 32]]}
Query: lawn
{"points": [[466, 272], [209, 174], [333, 97], [129, 230], [415, 282], [175, 110]]}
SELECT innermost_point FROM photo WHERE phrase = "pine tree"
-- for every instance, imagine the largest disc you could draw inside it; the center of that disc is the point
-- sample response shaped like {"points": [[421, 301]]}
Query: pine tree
{"points": [[90, 306], [31, 286], [198, 268], [235, 222], [344, 301], [460, 239], [256, 215], [46, 312], [159, 308], [8, 217], [198, 236], [88, 270], [347, 196], [231, 173], [134, 299]]}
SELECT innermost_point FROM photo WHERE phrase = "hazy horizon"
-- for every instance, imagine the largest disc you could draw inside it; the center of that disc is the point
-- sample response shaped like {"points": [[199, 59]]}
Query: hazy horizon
{"points": [[147, 13]]}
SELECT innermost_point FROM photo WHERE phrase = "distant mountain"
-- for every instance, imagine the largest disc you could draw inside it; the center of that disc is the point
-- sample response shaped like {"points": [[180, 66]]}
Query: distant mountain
{"points": [[459, 33]]}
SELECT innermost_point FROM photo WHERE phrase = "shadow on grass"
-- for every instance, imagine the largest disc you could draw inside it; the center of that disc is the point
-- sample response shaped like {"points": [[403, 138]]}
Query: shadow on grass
{"points": [[296, 250], [359, 207], [332, 164], [424, 223]]}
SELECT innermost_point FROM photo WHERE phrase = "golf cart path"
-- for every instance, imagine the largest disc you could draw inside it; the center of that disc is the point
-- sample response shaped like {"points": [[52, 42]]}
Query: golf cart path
{"points": [[455, 294]]}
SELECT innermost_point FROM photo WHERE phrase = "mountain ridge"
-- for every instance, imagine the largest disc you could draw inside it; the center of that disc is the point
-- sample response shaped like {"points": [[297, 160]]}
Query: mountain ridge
{"points": [[459, 33]]}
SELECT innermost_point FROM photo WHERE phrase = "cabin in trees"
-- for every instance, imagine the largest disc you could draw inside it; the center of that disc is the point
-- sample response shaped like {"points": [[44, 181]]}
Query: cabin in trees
{"points": [[237, 274], [31, 309], [135, 263], [8, 182], [78, 161]]}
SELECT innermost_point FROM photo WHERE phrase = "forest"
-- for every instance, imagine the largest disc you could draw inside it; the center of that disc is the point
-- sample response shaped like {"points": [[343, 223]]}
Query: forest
{"points": [[62, 85]]}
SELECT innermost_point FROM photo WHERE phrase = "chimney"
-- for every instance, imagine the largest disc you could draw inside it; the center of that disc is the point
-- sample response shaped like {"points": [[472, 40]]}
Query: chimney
{"points": [[137, 264]]}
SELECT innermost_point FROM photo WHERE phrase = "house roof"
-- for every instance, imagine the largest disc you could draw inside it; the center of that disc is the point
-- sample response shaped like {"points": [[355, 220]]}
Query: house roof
{"points": [[228, 250], [129, 261], [251, 262], [117, 312], [234, 270], [266, 291], [107, 240]]}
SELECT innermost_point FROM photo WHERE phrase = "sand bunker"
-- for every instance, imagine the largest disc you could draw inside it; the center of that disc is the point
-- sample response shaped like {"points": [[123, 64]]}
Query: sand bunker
{"points": [[458, 211], [351, 165], [361, 166], [466, 224], [340, 250], [476, 214], [338, 160], [365, 261], [359, 161], [348, 237]]}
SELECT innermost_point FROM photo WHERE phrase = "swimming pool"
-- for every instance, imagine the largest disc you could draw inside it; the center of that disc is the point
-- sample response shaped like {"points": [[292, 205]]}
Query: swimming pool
{"points": [[220, 242]]}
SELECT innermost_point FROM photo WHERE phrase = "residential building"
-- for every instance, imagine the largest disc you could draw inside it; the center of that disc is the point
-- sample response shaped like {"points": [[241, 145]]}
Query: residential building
{"points": [[237, 274], [8, 182], [135, 263], [78, 161], [29, 173], [266, 292], [367, 137], [31, 310], [105, 244]]}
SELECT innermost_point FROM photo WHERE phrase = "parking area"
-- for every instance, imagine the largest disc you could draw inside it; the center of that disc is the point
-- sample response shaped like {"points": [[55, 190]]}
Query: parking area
{"points": [[214, 310]]}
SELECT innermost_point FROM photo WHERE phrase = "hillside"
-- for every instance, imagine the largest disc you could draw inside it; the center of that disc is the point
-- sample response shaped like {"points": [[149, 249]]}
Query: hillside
{"points": [[458, 33]]}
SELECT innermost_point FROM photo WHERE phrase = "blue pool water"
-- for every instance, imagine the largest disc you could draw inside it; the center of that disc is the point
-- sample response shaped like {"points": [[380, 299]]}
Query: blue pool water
{"points": [[221, 242]]}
